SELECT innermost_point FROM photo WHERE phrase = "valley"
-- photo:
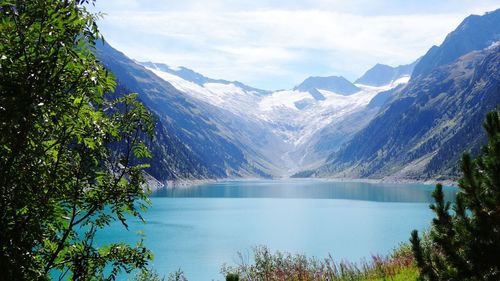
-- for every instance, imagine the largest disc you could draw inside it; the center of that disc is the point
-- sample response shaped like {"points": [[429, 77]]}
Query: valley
{"points": [[390, 123], [124, 155], [295, 118]]}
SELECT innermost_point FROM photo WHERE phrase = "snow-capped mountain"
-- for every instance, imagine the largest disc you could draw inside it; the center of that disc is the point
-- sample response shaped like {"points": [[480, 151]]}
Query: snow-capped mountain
{"points": [[410, 120], [197, 78], [232, 96], [382, 74], [298, 117], [423, 129], [336, 84]]}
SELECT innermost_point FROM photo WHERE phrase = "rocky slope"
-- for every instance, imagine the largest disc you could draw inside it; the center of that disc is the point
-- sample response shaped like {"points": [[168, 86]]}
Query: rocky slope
{"points": [[474, 33], [382, 74], [422, 132], [423, 128], [411, 121], [193, 139], [301, 118]]}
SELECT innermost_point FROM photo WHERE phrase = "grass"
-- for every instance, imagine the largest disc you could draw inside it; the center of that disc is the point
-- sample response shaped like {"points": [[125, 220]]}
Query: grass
{"points": [[285, 266], [280, 266], [406, 274]]}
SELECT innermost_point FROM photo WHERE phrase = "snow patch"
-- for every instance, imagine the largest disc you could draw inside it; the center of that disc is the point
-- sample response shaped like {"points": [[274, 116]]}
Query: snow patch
{"points": [[293, 115]]}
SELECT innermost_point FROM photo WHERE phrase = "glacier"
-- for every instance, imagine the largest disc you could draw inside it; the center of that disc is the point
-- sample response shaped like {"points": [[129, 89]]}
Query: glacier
{"points": [[296, 117]]}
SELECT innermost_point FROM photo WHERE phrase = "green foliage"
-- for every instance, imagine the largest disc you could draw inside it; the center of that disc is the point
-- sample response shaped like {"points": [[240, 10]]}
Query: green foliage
{"points": [[148, 275], [406, 274], [284, 266], [465, 242], [232, 277], [177, 276], [69, 153]]}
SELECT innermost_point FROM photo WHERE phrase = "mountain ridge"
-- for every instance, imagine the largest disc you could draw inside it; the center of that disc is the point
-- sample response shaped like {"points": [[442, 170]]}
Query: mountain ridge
{"points": [[198, 78], [392, 122], [208, 137], [474, 33], [382, 74], [296, 116], [433, 119], [336, 84]]}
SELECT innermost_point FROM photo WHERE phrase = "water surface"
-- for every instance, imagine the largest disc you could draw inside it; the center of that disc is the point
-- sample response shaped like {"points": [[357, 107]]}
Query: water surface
{"points": [[200, 228]]}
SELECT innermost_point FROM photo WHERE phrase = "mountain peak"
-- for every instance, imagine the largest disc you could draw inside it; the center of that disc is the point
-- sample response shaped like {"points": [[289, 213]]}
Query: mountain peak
{"points": [[181, 71], [336, 84], [197, 78], [382, 74], [473, 34]]}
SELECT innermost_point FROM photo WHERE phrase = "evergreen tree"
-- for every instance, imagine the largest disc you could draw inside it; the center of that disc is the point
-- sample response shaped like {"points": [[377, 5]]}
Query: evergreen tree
{"points": [[69, 151], [464, 243]]}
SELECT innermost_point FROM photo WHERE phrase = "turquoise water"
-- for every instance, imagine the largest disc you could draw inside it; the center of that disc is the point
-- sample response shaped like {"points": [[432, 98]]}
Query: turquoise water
{"points": [[200, 228]]}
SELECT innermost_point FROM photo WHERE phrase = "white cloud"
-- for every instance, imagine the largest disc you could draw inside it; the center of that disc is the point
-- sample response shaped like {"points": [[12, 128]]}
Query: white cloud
{"points": [[264, 45]]}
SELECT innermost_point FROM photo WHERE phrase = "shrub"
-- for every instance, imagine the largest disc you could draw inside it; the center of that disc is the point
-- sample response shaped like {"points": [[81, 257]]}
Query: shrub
{"points": [[285, 266]]}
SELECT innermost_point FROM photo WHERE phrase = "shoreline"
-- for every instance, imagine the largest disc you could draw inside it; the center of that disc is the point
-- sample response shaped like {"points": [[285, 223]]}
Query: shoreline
{"points": [[395, 181], [187, 183]]}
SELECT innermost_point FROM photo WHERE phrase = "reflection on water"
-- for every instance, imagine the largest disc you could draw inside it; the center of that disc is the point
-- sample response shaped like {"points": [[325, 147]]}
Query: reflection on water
{"points": [[200, 228], [314, 189]]}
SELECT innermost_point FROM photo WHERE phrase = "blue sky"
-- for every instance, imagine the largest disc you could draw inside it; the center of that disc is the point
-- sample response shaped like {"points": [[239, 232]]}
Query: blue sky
{"points": [[275, 44]]}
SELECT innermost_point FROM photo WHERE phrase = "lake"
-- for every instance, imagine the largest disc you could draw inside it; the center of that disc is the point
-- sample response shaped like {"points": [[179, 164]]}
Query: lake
{"points": [[199, 228]]}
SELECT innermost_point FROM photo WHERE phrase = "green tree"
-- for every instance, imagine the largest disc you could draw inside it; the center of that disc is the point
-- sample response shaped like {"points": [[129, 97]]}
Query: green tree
{"points": [[70, 152], [464, 243]]}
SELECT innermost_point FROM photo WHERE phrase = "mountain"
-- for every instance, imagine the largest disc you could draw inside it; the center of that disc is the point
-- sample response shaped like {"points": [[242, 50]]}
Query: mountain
{"points": [[422, 132], [411, 121], [423, 127], [197, 78], [305, 120], [474, 33], [335, 84], [337, 122], [193, 139], [172, 160], [385, 97], [230, 96], [298, 121], [382, 74]]}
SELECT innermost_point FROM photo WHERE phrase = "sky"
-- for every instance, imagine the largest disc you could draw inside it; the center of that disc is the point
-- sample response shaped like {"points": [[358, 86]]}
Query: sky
{"points": [[276, 44]]}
